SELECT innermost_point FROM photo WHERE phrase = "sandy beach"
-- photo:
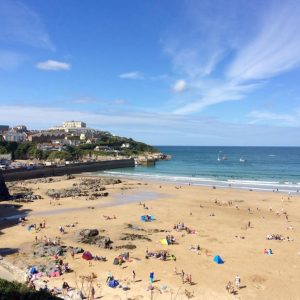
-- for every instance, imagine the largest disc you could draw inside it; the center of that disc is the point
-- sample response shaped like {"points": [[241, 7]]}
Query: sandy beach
{"points": [[230, 223]]}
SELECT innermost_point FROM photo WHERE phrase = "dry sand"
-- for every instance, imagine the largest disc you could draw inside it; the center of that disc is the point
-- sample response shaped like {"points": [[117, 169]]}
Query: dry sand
{"points": [[263, 276]]}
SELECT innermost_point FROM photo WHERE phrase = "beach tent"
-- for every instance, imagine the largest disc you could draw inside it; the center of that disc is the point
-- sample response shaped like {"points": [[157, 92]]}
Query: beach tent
{"points": [[164, 242], [33, 270], [87, 255], [147, 218], [218, 260], [113, 283]]}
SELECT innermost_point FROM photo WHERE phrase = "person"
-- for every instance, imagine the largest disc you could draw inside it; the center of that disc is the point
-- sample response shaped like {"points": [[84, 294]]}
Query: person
{"points": [[182, 276], [109, 277], [151, 277], [65, 287], [73, 253], [93, 292], [237, 281], [36, 239], [133, 275], [44, 223]]}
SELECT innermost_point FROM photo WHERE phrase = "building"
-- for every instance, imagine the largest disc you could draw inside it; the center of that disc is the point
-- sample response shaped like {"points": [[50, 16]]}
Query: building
{"points": [[74, 124], [125, 145], [21, 128], [46, 137], [14, 136], [3, 128]]}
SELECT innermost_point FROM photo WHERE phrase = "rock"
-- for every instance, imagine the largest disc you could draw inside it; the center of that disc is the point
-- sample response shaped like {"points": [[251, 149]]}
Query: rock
{"points": [[77, 250], [44, 250], [4, 193], [92, 237], [89, 232]]}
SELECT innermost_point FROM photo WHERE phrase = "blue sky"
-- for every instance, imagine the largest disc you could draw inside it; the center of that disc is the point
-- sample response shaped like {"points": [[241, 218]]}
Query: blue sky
{"points": [[164, 72]]}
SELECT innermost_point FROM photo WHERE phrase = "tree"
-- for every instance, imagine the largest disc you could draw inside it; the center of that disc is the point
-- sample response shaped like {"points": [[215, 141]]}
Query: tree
{"points": [[3, 150], [62, 155]]}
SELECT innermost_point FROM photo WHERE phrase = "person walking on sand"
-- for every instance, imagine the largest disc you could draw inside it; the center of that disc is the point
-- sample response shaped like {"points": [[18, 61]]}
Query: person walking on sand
{"points": [[93, 293], [133, 275], [237, 281], [182, 276], [73, 253]]}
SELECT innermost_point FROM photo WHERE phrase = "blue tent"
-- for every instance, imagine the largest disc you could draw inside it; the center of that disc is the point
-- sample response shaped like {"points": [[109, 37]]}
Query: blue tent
{"points": [[113, 283], [218, 260]]}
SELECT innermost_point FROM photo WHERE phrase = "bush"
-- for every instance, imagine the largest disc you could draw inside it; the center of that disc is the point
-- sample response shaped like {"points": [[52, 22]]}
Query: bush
{"points": [[18, 291]]}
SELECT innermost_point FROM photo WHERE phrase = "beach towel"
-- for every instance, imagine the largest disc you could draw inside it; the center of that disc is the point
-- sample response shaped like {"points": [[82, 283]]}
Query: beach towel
{"points": [[218, 260], [164, 242], [147, 218]]}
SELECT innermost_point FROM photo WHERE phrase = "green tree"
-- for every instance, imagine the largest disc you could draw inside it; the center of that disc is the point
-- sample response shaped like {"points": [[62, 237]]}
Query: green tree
{"points": [[3, 150]]}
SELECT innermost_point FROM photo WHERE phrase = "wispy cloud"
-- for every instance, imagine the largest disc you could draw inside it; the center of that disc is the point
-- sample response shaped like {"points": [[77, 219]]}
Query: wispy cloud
{"points": [[10, 60], [203, 130], [136, 75], [179, 86], [276, 48], [53, 65], [234, 54], [91, 100], [19, 24], [277, 119]]}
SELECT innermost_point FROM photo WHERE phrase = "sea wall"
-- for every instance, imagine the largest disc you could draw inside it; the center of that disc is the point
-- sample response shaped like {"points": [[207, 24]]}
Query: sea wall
{"points": [[49, 171]]}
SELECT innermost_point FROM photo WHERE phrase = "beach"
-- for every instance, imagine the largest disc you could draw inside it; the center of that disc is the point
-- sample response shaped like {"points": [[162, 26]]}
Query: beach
{"points": [[231, 223]]}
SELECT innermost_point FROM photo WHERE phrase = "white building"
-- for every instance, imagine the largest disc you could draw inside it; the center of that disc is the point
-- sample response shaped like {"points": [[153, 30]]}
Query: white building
{"points": [[14, 136], [20, 128], [125, 145], [74, 124]]}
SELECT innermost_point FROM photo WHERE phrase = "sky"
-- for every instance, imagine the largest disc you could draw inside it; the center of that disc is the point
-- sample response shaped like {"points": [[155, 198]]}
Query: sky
{"points": [[203, 72]]}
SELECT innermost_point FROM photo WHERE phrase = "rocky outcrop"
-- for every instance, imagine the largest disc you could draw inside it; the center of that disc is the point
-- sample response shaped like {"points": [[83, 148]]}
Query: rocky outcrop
{"points": [[4, 193], [92, 237], [45, 250]]}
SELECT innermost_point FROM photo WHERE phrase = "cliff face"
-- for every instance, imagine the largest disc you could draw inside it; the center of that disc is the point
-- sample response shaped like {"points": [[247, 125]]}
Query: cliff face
{"points": [[4, 193]]}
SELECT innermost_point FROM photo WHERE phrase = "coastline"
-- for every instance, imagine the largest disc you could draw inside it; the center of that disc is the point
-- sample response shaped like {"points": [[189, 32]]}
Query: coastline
{"points": [[218, 230], [207, 182]]}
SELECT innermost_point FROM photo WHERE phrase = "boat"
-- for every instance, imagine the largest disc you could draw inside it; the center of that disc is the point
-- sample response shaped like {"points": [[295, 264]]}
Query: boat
{"points": [[242, 160], [223, 157]]}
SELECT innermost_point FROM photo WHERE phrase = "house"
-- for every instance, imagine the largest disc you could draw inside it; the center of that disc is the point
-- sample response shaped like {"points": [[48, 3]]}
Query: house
{"points": [[14, 136], [125, 145], [46, 136], [3, 129]]}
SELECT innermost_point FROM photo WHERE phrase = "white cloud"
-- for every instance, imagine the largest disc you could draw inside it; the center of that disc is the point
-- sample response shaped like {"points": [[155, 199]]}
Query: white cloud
{"points": [[274, 118], [119, 101], [179, 86], [20, 24], [265, 47], [53, 65], [192, 131], [132, 75], [83, 100]]}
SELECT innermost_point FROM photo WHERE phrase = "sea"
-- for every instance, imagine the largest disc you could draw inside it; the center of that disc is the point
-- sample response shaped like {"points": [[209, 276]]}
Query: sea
{"points": [[253, 168]]}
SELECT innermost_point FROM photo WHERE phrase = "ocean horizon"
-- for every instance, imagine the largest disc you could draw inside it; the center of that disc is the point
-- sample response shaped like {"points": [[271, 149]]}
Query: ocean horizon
{"points": [[253, 167]]}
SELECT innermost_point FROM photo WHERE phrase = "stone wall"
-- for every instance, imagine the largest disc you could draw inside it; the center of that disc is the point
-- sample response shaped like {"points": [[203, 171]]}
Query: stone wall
{"points": [[49, 171]]}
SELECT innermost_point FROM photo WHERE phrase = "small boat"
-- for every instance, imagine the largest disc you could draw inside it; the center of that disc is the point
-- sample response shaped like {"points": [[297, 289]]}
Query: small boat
{"points": [[223, 157], [242, 160]]}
